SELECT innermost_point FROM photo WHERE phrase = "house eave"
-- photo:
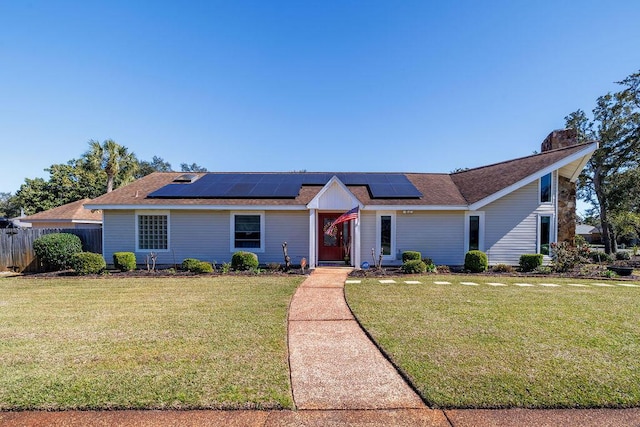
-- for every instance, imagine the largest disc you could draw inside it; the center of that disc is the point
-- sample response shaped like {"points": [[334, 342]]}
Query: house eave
{"points": [[199, 207]]}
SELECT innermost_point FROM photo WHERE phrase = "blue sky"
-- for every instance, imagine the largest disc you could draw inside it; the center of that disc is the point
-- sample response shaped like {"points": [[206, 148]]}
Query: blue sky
{"points": [[414, 86]]}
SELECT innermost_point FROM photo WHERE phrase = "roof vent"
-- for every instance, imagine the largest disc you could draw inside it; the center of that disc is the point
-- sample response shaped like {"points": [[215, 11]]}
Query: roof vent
{"points": [[187, 177]]}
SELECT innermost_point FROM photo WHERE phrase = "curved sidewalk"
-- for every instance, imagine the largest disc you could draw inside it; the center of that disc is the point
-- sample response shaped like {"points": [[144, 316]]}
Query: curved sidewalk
{"points": [[333, 363]]}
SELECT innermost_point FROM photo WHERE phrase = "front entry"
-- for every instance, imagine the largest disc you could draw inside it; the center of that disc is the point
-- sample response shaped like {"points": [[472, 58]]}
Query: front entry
{"points": [[332, 248]]}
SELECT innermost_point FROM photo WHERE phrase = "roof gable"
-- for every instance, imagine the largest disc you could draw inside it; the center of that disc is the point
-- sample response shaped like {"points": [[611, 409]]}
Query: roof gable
{"points": [[482, 185], [334, 195]]}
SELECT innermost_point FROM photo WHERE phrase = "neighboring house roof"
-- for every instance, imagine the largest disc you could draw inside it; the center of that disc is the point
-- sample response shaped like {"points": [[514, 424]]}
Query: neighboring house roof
{"points": [[73, 212], [585, 229], [468, 189]]}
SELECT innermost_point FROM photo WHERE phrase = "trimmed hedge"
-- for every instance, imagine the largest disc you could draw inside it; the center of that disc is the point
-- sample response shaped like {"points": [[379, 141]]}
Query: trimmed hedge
{"points": [[476, 261], [55, 250], [202, 267], [413, 266], [529, 262], [411, 256], [188, 264], [124, 261], [88, 263], [242, 261]]}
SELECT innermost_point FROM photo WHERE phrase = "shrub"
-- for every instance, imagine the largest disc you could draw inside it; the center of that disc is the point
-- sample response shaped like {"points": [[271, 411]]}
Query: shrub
{"points": [[529, 262], [189, 263], [599, 256], [242, 261], [565, 257], [274, 266], [55, 250], [88, 263], [411, 256], [201, 267], [623, 256], [431, 267], [124, 261], [502, 268], [476, 261], [427, 261], [413, 266], [443, 269], [542, 269]]}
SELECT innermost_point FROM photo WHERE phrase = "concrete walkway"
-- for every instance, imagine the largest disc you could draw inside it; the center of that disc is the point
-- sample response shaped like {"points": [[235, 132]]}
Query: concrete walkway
{"points": [[333, 363]]}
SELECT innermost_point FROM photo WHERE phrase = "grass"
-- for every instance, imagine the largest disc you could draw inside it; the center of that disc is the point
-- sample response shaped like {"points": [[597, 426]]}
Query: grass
{"points": [[139, 343], [495, 347]]}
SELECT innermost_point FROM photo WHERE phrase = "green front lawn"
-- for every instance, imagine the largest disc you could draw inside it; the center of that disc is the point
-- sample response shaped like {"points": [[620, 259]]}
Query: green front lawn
{"points": [[486, 347], [215, 342]]}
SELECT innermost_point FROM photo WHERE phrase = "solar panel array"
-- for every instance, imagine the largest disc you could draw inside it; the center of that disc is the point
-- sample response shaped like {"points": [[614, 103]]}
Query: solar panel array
{"points": [[284, 185]]}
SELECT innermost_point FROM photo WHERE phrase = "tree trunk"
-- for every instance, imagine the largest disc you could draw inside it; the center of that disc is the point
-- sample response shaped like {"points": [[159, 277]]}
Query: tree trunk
{"points": [[604, 214], [110, 179]]}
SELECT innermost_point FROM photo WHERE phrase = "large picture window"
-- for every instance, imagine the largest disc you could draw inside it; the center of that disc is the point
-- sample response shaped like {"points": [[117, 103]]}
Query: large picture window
{"points": [[247, 232], [545, 188], [153, 232]]}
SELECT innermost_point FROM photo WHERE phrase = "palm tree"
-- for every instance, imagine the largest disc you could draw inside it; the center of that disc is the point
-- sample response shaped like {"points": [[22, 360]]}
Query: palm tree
{"points": [[114, 159]]}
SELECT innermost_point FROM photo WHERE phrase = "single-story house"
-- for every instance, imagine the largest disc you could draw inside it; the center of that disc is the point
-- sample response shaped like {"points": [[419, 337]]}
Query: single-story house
{"points": [[69, 216], [590, 233], [505, 209]]}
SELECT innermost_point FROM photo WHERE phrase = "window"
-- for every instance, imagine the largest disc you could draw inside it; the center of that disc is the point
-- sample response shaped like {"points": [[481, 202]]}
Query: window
{"points": [[247, 232], [385, 235], [474, 231], [153, 232], [545, 234], [545, 188]]}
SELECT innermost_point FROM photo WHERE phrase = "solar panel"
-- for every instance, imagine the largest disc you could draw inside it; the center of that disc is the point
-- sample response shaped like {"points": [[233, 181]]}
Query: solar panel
{"points": [[284, 185]]}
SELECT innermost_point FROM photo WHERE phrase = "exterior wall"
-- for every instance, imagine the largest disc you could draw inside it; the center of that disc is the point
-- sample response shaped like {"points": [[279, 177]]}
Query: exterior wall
{"points": [[285, 226], [437, 235], [206, 235], [511, 224], [118, 234], [368, 236]]}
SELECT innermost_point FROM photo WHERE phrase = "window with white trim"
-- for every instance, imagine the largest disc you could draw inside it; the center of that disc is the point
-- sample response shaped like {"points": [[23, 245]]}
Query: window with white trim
{"points": [[474, 231], [545, 188], [386, 234], [152, 231], [545, 235], [247, 232]]}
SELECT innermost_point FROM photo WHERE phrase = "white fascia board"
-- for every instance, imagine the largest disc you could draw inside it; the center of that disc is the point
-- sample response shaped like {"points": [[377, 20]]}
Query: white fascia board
{"points": [[586, 153], [87, 221], [315, 202], [200, 207], [415, 208]]}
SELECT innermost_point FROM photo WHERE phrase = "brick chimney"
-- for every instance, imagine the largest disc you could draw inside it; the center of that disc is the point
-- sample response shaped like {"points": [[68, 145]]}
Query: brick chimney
{"points": [[566, 189], [559, 139]]}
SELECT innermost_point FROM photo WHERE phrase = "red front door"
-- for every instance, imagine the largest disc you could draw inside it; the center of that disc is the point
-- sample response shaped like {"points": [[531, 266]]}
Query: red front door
{"points": [[332, 248]]}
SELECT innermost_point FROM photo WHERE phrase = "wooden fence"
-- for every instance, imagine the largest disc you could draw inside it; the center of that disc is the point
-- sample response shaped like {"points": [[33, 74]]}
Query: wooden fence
{"points": [[16, 245]]}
